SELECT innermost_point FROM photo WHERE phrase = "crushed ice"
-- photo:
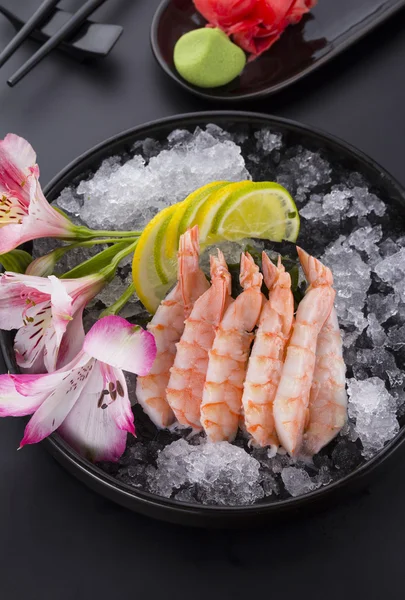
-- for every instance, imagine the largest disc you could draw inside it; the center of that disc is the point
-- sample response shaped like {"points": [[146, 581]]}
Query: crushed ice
{"points": [[223, 473], [344, 223], [127, 196], [373, 411]]}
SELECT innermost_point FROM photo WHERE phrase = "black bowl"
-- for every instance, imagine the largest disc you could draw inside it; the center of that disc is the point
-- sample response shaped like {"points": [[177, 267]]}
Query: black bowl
{"points": [[327, 31], [172, 510]]}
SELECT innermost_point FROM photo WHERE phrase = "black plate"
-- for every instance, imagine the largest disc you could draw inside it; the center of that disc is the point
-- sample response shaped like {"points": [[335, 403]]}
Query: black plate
{"points": [[331, 27], [172, 510]]}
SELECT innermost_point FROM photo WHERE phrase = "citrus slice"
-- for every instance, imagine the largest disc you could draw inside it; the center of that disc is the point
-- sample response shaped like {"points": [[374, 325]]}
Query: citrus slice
{"points": [[183, 218], [263, 210], [223, 211], [150, 280]]}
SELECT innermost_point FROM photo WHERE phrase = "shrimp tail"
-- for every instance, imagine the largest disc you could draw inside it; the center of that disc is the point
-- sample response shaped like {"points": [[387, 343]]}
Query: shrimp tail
{"points": [[315, 272], [221, 281], [219, 269], [188, 266], [270, 271], [249, 272]]}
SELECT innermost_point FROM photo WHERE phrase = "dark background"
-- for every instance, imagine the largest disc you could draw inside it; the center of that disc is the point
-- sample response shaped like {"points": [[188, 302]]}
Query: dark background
{"points": [[60, 541]]}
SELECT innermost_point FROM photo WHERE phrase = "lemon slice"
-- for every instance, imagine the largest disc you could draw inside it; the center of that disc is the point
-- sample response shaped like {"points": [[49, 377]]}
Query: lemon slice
{"points": [[149, 277], [263, 210], [183, 218]]}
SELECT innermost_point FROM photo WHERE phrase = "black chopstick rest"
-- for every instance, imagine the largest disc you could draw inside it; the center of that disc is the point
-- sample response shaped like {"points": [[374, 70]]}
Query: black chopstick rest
{"points": [[92, 40], [68, 29]]}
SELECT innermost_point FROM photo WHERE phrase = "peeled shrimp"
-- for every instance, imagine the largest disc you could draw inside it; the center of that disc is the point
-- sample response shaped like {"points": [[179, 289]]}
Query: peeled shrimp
{"points": [[167, 326], [328, 397], [292, 398], [266, 360], [187, 376], [222, 395]]}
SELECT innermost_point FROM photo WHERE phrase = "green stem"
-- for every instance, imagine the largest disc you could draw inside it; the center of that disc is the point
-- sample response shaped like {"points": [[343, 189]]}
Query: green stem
{"points": [[88, 234], [90, 243], [109, 271], [115, 308]]}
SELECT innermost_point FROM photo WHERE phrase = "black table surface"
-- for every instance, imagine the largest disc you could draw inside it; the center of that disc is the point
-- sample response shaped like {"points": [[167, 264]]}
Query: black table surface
{"points": [[60, 541]]}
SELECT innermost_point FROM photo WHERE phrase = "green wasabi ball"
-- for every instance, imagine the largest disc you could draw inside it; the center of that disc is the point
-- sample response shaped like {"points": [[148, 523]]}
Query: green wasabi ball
{"points": [[207, 58]]}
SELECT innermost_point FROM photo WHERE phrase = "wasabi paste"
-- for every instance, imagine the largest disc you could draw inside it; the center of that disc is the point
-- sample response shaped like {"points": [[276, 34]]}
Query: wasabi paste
{"points": [[207, 58]]}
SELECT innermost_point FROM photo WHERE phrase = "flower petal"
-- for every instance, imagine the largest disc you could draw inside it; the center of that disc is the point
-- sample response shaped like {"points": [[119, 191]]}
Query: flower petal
{"points": [[42, 221], [117, 402], [12, 306], [62, 310], [29, 341], [90, 427], [71, 344], [13, 404], [42, 285], [17, 162], [50, 221], [57, 405], [115, 341], [33, 385]]}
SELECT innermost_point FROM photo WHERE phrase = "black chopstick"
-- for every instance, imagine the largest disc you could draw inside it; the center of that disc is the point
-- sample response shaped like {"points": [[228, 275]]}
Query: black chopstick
{"points": [[65, 31], [39, 15]]}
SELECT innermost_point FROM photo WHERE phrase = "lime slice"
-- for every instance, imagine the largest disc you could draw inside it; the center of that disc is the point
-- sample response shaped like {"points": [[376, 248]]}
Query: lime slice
{"points": [[263, 210], [207, 211], [183, 218], [150, 280]]}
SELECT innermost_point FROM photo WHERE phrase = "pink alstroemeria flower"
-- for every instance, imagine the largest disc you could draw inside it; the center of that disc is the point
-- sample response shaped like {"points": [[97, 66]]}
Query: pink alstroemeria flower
{"points": [[47, 312], [86, 401], [24, 212]]}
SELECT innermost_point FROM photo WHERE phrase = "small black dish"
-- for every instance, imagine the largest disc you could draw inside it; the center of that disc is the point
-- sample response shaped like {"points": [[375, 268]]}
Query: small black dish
{"points": [[184, 513], [92, 39], [330, 28]]}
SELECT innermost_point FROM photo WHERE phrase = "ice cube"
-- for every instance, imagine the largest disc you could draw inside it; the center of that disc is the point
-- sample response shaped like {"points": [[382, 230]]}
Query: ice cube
{"points": [[384, 306], [352, 279], [391, 270], [380, 362], [388, 247], [396, 336], [365, 239], [269, 484], [364, 202], [328, 208], [70, 203], [302, 171], [223, 474], [375, 331], [297, 481], [373, 411], [267, 141]]}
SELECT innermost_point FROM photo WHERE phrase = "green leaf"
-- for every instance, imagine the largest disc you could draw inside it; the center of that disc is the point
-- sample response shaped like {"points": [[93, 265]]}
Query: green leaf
{"points": [[97, 262], [16, 261]]}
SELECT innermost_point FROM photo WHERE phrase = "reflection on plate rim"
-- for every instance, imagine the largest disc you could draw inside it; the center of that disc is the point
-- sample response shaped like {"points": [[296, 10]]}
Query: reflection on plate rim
{"points": [[374, 22], [174, 510]]}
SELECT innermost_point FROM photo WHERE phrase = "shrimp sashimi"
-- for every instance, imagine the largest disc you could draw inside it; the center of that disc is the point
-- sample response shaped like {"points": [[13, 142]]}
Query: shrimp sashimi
{"points": [[222, 395], [167, 326], [292, 398], [187, 376], [267, 357], [328, 397]]}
